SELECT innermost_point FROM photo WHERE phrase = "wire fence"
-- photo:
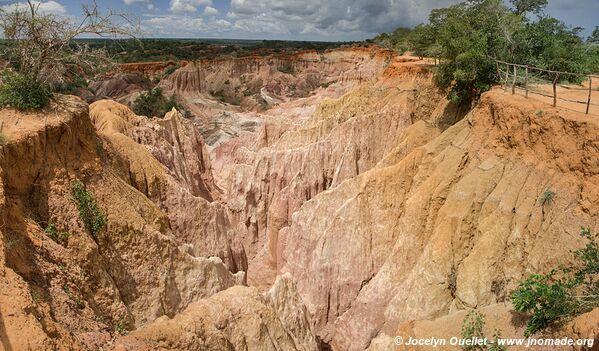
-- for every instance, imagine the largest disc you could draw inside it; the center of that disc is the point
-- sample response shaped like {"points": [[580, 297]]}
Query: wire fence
{"points": [[533, 80]]}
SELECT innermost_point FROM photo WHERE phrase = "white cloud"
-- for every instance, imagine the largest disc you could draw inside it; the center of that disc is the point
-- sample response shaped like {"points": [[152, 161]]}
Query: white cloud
{"points": [[330, 20], [176, 25], [47, 7], [131, 2], [188, 6], [210, 11]]}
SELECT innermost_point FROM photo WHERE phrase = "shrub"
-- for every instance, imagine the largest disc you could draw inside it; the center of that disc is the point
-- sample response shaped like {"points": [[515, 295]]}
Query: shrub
{"points": [[287, 68], [562, 293], [171, 69], [89, 212], [58, 236], [23, 92], [547, 197], [120, 328], [472, 327], [153, 103]]}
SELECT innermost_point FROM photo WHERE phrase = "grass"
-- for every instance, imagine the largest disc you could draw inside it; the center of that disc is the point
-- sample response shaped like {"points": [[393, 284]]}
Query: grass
{"points": [[547, 197], [89, 212]]}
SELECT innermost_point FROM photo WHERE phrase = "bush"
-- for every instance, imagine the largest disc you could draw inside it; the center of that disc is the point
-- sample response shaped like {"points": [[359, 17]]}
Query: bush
{"points": [[287, 68], [153, 103], [472, 327], [23, 92], [171, 69], [547, 197], [562, 293], [89, 212], [58, 236]]}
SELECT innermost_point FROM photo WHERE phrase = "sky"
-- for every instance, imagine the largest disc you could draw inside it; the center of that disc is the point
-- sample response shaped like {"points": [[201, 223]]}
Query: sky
{"points": [[324, 20]]}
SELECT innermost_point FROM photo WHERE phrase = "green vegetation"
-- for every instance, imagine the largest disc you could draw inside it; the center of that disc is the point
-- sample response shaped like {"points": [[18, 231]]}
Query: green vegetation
{"points": [[89, 212], [473, 326], [397, 40], [38, 295], [286, 67], [153, 104], [564, 292], [547, 197], [148, 50], [466, 37], [23, 91], [171, 69], [41, 51], [80, 304], [2, 139], [120, 328], [61, 237]]}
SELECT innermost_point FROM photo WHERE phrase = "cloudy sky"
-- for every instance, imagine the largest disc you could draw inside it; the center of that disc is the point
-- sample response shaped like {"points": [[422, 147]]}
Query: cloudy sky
{"points": [[328, 20]]}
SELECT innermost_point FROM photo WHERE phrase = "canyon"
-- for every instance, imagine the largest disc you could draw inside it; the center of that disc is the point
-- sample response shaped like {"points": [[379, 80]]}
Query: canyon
{"points": [[313, 201]]}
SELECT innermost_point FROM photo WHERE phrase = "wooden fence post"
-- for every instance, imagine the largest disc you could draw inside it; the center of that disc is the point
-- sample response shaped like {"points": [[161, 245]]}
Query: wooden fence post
{"points": [[507, 76], [498, 71], [590, 92], [555, 90], [526, 81], [514, 81]]}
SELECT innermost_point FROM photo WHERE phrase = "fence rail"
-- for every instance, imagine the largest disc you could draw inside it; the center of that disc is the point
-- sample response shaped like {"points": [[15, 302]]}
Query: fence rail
{"points": [[508, 75]]}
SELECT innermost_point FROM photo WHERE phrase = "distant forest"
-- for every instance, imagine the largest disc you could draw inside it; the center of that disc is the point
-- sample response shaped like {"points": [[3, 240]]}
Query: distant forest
{"points": [[467, 37], [147, 50]]}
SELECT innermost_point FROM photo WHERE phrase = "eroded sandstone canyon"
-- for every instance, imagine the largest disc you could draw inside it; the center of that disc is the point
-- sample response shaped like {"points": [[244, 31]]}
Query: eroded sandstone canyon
{"points": [[333, 204]]}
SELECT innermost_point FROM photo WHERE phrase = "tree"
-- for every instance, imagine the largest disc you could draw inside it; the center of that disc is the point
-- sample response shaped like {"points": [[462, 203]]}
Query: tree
{"points": [[41, 47], [421, 39], [486, 30], [154, 104], [594, 38], [549, 43], [564, 292], [522, 7]]}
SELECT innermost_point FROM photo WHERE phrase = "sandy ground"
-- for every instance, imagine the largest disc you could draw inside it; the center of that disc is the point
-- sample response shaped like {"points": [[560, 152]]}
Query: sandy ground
{"points": [[573, 93]]}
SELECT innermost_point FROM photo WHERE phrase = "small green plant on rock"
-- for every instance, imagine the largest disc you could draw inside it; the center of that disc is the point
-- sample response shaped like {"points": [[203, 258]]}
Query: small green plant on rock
{"points": [[547, 197], [60, 237], [473, 326], [2, 139], [89, 212], [564, 292], [78, 302], [472, 329], [120, 328]]}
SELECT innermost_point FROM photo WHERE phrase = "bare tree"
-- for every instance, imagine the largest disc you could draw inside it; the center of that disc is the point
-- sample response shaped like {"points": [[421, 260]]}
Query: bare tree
{"points": [[43, 46]]}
